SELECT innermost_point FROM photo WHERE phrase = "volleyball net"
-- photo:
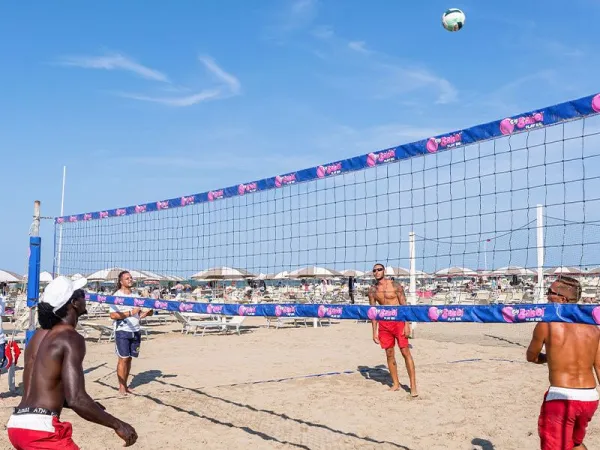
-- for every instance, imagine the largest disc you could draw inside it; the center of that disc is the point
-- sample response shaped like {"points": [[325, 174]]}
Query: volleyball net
{"points": [[469, 221]]}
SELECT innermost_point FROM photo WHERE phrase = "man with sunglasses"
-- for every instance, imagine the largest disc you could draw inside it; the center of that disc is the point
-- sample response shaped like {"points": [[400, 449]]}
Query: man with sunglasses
{"points": [[387, 333], [572, 354]]}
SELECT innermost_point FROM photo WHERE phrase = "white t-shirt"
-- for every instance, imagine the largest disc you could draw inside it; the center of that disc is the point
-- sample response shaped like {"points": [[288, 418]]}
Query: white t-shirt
{"points": [[130, 324], [2, 337]]}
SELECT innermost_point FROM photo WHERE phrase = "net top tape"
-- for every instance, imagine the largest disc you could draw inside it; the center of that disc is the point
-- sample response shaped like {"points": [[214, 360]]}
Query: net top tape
{"points": [[499, 313], [551, 115]]}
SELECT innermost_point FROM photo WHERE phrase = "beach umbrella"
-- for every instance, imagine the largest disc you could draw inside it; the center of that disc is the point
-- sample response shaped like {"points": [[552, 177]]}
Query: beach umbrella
{"points": [[456, 272], [563, 271], [112, 274], [352, 273], [512, 270], [6, 276], [46, 277], [314, 272], [222, 273], [281, 275]]}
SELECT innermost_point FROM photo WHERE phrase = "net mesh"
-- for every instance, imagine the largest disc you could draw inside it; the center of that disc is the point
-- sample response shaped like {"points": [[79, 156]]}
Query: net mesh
{"points": [[472, 207]]}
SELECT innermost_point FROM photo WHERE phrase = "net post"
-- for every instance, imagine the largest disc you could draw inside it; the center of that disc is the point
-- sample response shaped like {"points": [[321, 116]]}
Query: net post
{"points": [[60, 229], [412, 290], [33, 280], [540, 252]]}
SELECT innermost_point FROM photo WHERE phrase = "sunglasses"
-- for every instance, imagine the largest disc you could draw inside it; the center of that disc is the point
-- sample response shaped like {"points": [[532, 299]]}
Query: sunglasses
{"points": [[378, 269], [551, 292]]}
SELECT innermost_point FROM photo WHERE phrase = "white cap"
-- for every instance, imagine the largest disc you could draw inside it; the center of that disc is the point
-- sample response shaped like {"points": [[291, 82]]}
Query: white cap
{"points": [[59, 291]]}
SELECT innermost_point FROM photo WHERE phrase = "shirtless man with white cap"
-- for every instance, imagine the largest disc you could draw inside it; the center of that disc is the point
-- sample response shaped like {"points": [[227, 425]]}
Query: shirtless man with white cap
{"points": [[53, 377]]}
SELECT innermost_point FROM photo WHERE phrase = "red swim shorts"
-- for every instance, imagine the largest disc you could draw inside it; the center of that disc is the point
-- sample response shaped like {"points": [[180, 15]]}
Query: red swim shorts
{"points": [[37, 428], [390, 332], [564, 417]]}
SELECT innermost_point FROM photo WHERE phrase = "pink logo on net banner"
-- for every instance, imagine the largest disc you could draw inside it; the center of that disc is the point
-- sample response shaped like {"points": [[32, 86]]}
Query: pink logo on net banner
{"points": [[596, 314], [103, 214], [87, 296], [140, 209], [328, 311], [101, 299], [508, 126], [186, 307], [138, 302], [214, 309], [189, 200], [382, 314], [511, 315], [121, 212], [160, 305], [215, 195], [288, 311], [247, 310], [119, 300], [73, 219], [60, 220], [381, 157], [596, 103], [331, 169], [247, 188], [87, 216], [282, 180], [450, 141], [445, 314], [162, 205]]}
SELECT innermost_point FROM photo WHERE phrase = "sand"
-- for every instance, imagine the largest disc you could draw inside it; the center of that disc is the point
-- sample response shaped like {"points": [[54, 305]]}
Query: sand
{"points": [[255, 390]]}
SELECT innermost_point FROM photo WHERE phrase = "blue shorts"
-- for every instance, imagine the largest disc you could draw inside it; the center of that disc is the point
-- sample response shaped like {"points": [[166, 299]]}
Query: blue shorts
{"points": [[127, 344]]}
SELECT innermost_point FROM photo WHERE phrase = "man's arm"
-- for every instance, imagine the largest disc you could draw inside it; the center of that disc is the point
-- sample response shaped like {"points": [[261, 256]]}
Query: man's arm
{"points": [[118, 315], [74, 385], [540, 333], [150, 312], [372, 302], [400, 293]]}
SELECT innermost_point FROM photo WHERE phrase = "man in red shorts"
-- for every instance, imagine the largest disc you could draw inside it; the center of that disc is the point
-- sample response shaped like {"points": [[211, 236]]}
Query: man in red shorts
{"points": [[386, 292], [572, 356], [53, 376]]}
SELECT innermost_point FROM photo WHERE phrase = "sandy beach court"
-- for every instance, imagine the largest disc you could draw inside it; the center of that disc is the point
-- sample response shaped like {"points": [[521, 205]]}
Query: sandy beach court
{"points": [[323, 388]]}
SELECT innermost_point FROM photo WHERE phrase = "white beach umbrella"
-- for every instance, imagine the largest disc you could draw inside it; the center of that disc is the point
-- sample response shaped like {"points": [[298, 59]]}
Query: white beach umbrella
{"points": [[46, 277], [314, 272], [512, 270], [456, 272], [222, 273], [563, 271], [112, 274], [352, 273], [6, 276]]}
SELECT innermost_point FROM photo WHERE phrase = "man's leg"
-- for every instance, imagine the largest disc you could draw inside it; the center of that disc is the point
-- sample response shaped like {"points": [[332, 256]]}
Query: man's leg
{"points": [[410, 368], [123, 369], [393, 368]]}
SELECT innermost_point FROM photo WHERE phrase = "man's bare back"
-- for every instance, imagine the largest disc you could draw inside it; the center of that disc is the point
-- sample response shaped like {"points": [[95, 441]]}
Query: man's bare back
{"points": [[572, 354]]}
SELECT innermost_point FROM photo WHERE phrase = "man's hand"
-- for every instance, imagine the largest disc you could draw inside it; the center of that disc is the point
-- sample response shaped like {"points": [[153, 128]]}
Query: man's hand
{"points": [[376, 339], [407, 329], [135, 311], [127, 433]]}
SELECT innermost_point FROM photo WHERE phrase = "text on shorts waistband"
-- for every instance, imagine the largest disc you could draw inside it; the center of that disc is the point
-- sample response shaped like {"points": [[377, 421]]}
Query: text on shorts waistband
{"points": [[581, 395], [39, 411]]}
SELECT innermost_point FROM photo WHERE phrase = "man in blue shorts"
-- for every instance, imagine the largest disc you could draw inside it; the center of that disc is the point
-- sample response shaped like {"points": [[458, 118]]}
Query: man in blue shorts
{"points": [[128, 337]]}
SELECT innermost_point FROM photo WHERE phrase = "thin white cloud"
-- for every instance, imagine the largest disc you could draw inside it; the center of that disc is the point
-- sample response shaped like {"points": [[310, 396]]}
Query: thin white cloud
{"points": [[378, 75], [358, 46], [231, 86], [114, 61]]}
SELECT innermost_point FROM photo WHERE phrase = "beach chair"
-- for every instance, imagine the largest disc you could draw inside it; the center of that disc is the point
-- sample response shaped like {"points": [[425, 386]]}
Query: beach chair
{"points": [[188, 324], [104, 330], [234, 323]]}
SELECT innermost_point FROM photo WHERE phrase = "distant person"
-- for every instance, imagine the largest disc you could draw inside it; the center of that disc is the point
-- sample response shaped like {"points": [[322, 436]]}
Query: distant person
{"points": [[573, 357], [128, 336], [351, 289], [53, 377], [386, 292]]}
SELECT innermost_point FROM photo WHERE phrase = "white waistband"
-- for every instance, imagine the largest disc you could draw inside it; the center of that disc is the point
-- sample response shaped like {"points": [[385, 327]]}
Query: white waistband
{"points": [[581, 395], [35, 422]]}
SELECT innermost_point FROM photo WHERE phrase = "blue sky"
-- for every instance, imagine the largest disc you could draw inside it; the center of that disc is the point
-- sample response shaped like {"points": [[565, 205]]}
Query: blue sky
{"points": [[153, 102]]}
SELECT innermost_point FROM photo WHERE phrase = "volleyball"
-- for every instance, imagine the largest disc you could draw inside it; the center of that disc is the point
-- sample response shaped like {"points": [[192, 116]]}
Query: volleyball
{"points": [[453, 19]]}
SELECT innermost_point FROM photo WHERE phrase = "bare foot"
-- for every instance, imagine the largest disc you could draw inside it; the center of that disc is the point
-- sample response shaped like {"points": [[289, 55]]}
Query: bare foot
{"points": [[122, 392], [395, 387], [130, 391], [414, 393]]}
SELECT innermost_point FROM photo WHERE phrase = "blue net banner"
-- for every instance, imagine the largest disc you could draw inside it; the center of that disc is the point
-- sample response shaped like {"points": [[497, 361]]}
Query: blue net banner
{"points": [[551, 115], [499, 313]]}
